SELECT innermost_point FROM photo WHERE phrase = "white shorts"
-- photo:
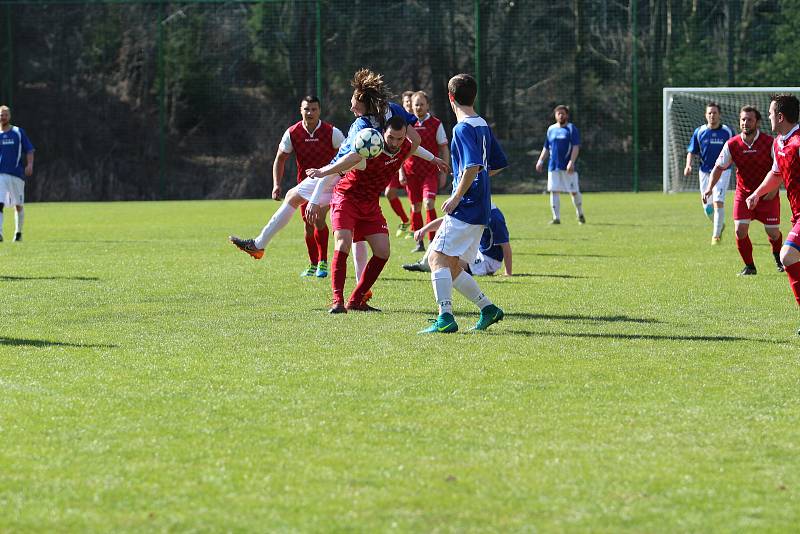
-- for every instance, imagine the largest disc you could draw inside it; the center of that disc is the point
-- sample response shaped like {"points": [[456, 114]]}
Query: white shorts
{"points": [[306, 188], [718, 193], [562, 181], [484, 265], [458, 239], [12, 190]]}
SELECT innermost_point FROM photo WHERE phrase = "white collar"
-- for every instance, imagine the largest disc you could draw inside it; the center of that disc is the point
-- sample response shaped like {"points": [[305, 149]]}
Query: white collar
{"points": [[750, 145], [315, 129]]}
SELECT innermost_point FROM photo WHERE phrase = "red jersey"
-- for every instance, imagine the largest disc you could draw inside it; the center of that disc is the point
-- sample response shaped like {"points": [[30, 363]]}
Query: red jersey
{"points": [[367, 185], [753, 162], [418, 167], [787, 165], [313, 150]]}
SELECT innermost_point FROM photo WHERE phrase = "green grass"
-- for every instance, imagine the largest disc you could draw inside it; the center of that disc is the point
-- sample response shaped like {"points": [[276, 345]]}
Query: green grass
{"points": [[154, 378]]}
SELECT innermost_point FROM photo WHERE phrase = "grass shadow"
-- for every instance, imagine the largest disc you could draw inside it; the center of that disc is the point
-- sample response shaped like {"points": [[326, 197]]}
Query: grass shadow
{"points": [[634, 337], [6, 278], [561, 254], [39, 343]]}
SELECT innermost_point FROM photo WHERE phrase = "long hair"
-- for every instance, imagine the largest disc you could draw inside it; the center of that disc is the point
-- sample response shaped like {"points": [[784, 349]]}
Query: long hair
{"points": [[369, 89]]}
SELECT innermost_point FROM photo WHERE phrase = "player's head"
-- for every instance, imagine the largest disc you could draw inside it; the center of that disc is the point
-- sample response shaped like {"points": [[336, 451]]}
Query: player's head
{"points": [[407, 96], [749, 119], [561, 113], [5, 115], [420, 104], [370, 94], [462, 89], [394, 133], [712, 114], [783, 113], [310, 109]]}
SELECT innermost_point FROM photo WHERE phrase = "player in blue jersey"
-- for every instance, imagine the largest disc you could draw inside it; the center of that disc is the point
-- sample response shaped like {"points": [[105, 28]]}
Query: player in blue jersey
{"points": [[475, 155], [13, 145], [707, 142], [563, 142]]}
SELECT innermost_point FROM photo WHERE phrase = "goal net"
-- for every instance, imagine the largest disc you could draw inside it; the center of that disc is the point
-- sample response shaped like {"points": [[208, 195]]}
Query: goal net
{"points": [[684, 109]]}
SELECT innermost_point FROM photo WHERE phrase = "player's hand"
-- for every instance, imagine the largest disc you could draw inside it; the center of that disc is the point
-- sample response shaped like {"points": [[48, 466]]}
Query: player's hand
{"points": [[704, 196], [539, 166], [402, 179], [28, 170], [276, 193], [687, 171], [419, 235], [570, 167], [450, 205], [770, 195], [314, 173], [312, 213], [441, 164], [752, 201]]}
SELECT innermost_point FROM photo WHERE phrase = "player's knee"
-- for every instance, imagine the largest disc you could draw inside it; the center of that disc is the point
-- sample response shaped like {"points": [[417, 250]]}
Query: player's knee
{"points": [[789, 256], [742, 231]]}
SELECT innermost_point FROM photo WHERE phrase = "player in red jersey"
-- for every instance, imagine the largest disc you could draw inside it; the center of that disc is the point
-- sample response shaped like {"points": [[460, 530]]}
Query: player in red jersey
{"points": [[356, 212], [314, 143], [396, 183], [783, 116], [751, 151], [423, 179]]}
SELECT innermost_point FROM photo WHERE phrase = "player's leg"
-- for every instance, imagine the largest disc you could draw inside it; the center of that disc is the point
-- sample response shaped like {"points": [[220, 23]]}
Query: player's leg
{"points": [[360, 257], [321, 237], [577, 197], [16, 198], [311, 244], [379, 243], [19, 218], [719, 191], [768, 212], [429, 203], [790, 258], [397, 206], [775, 240], [2, 206], [342, 241], [708, 207], [745, 246], [554, 187]]}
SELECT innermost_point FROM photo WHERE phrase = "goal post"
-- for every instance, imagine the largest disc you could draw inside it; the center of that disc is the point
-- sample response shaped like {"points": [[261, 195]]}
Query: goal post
{"points": [[683, 110]]}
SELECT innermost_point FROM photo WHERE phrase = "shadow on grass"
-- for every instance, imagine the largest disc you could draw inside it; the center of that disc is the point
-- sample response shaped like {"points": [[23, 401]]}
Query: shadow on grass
{"points": [[575, 317], [558, 255], [651, 337], [544, 275], [17, 342], [5, 278]]}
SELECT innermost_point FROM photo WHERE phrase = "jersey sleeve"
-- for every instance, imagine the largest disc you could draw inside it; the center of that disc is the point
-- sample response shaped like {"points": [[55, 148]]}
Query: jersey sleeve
{"points": [[547, 140], [724, 160], [441, 136], [286, 143], [466, 140], [337, 137], [497, 158], [574, 136], [27, 146], [397, 109], [347, 146], [694, 144], [497, 223], [775, 169]]}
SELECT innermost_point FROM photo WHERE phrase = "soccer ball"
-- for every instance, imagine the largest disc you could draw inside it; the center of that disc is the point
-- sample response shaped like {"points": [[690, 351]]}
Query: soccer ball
{"points": [[368, 143]]}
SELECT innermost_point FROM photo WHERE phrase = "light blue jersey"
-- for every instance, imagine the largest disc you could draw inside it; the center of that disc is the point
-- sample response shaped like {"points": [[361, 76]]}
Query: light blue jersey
{"points": [[496, 234], [708, 143], [474, 145], [369, 121], [559, 141], [14, 144]]}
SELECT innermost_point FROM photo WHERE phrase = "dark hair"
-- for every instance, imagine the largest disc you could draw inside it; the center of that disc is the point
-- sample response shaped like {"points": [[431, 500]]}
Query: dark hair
{"points": [[396, 123], [561, 106], [310, 99], [751, 109], [423, 94], [464, 89], [406, 93], [713, 104], [369, 89], [788, 106]]}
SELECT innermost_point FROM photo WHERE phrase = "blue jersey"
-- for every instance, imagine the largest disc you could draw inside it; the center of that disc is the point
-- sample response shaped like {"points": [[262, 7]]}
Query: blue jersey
{"points": [[496, 234], [370, 121], [13, 145], [474, 145], [708, 143], [559, 141]]}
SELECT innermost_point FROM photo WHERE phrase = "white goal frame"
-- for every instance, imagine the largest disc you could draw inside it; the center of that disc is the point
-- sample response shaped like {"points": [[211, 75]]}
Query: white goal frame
{"points": [[709, 92]]}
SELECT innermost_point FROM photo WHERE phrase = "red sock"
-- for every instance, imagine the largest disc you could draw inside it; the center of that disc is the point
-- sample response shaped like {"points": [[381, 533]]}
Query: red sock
{"points": [[793, 271], [371, 273], [777, 244], [431, 215], [745, 247], [397, 206], [338, 274], [311, 245], [416, 220], [321, 239]]}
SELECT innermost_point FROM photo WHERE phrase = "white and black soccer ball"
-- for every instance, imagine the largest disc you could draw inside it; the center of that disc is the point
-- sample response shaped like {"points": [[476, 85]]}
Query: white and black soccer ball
{"points": [[368, 143]]}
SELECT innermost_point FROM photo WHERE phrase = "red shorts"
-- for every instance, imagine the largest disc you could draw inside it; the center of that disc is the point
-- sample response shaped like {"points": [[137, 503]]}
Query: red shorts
{"points": [[394, 183], [420, 188], [361, 219], [767, 211]]}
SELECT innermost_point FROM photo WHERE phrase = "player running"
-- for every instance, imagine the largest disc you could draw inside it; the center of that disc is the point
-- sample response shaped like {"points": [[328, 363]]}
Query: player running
{"points": [[707, 141], [751, 151], [313, 142], [476, 155], [396, 183], [783, 117], [370, 104], [356, 212]]}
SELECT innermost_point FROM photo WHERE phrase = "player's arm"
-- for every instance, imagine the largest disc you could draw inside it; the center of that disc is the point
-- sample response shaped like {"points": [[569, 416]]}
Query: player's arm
{"points": [[542, 158], [343, 164], [771, 182], [424, 153], [464, 184], [401, 176], [687, 170], [507, 261], [413, 135], [576, 149], [430, 227], [278, 168], [29, 166]]}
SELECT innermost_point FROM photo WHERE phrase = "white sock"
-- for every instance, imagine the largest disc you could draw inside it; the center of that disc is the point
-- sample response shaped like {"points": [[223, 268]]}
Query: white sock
{"points": [[19, 218], [279, 219], [555, 205], [719, 221], [577, 201], [443, 289], [467, 286], [360, 258]]}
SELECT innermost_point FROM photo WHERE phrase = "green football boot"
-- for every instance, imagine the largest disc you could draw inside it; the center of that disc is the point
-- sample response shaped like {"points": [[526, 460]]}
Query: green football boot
{"points": [[322, 269], [311, 270], [489, 315], [444, 324]]}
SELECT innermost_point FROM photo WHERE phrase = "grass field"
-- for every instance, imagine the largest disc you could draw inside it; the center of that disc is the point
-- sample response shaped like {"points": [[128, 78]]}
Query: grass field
{"points": [[152, 377]]}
